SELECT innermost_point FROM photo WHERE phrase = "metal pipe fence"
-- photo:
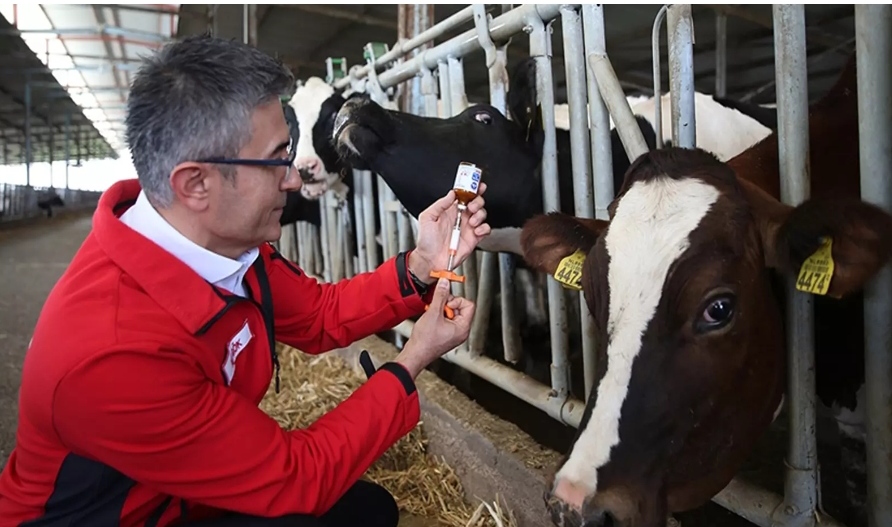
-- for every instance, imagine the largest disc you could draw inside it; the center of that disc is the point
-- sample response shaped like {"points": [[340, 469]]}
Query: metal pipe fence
{"points": [[592, 81], [18, 202]]}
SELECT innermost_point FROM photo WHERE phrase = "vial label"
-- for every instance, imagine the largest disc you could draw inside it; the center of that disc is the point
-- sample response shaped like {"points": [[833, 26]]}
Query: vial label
{"points": [[467, 178]]}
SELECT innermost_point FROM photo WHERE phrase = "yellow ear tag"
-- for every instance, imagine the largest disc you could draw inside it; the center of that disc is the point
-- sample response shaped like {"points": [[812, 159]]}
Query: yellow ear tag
{"points": [[817, 270], [569, 271]]}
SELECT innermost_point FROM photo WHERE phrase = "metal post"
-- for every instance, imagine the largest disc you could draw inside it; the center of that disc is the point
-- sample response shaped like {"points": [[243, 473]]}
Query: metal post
{"points": [[800, 489], [324, 228], [252, 24], [512, 347], [540, 50], [721, 53], [680, 31], [359, 229], [27, 129], [873, 51], [334, 229], [445, 98], [617, 105], [429, 92], [245, 23], [368, 220], [583, 192], [599, 118], [67, 145], [302, 254]]}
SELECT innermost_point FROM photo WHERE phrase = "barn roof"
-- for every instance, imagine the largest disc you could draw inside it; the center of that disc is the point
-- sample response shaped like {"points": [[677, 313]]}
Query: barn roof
{"points": [[74, 59], [304, 35]]}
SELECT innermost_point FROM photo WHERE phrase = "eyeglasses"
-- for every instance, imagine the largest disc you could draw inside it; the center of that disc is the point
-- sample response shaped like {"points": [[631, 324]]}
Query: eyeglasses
{"points": [[287, 162]]}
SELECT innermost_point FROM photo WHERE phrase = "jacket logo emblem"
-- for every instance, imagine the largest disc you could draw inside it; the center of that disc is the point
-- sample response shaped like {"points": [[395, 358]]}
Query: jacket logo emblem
{"points": [[233, 349]]}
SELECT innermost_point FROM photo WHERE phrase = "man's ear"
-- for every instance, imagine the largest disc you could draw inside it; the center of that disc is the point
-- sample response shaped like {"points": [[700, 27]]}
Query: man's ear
{"points": [[546, 239], [856, 236], [191, 184]]}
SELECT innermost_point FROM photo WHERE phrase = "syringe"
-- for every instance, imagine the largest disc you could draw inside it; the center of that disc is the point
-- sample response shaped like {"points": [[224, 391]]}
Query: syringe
{"points": [[466, 186], [456, 237]]}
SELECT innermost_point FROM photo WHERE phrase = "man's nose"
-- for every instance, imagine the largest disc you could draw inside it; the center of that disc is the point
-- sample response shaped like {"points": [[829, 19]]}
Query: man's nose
{"points": [[292, 181]]}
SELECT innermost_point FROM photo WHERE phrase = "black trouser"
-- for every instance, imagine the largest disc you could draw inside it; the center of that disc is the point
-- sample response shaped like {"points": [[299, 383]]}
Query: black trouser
{"points": [[364, 504]]}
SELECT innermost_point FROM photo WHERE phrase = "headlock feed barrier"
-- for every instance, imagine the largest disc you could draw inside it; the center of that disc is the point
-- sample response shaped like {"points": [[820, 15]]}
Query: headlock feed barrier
{"points": [[432, 79]]}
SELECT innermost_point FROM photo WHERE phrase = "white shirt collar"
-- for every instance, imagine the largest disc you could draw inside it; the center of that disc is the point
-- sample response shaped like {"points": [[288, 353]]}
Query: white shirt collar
{"points": [[215, 268]]}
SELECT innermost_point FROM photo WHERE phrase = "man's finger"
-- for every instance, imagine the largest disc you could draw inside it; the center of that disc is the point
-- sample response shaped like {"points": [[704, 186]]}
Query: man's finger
{"points": [[459, 302], [476, 204], [483, 230], [440, 206], [464, 313], [478, 218]]}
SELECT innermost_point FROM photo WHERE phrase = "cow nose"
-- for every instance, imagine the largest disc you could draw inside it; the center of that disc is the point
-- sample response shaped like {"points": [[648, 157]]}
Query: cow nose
{"points": [[307, 168], [599, 518], [563, 515]]}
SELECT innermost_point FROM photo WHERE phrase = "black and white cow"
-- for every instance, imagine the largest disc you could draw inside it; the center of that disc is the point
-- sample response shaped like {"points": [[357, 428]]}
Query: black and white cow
{"points": [[315, 104], [723, 128], [417, 156]]}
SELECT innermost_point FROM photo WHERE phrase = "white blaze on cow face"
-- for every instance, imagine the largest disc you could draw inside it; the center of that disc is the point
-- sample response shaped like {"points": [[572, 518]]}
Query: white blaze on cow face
{"points": [[307, 101], [649, 232]]}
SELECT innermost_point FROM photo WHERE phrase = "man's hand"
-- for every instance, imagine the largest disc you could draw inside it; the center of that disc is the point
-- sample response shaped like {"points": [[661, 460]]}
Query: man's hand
{"points": [[434, 334], [435, 229]]}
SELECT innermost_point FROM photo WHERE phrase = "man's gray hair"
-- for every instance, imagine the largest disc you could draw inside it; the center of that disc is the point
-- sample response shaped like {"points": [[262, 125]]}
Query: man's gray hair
{"points": [[193, 100]]}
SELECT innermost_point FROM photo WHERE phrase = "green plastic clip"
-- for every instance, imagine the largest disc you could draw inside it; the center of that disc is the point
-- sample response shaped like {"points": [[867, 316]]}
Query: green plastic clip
{"points": [[374, 50], [335, 68]]}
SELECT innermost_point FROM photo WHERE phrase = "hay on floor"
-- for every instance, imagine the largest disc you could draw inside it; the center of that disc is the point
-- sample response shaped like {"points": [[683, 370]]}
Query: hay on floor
{"points": [[422, 485]]}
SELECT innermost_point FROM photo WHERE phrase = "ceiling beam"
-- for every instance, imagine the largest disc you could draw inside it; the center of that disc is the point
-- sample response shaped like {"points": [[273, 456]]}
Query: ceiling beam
{"points": [[334, 12]]}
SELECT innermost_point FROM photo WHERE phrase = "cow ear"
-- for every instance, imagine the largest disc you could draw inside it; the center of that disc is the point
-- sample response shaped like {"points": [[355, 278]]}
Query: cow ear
{"points": [[833, 246], [548, 239]]}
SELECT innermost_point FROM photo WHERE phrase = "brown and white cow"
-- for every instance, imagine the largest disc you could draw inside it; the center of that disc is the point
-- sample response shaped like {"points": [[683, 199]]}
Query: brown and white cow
{"points": [[682, 284]]}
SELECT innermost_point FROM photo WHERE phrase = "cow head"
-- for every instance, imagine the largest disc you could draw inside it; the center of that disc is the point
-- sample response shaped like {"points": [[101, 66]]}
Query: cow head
{"points": [[418, 156], [314, 106], [691, 346]]}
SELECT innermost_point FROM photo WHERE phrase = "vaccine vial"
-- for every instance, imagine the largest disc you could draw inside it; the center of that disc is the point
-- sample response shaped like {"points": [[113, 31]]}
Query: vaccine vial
{"points": [[467, 183]]}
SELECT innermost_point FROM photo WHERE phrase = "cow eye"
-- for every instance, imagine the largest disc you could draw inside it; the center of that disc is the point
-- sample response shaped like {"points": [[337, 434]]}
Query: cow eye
{"points": [[718, 313], [483, 117]]}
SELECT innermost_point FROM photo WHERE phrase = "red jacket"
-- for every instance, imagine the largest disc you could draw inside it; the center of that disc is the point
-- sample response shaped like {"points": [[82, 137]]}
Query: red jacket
{"points": [[126, 416]]}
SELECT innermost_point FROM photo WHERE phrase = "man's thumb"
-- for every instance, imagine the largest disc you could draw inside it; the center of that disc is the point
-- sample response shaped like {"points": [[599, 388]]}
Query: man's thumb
{"points": [[441, 294]]}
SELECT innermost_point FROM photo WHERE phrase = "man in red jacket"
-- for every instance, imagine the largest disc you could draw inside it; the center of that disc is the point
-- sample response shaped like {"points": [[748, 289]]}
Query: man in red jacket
{"points": [[140, 389]]}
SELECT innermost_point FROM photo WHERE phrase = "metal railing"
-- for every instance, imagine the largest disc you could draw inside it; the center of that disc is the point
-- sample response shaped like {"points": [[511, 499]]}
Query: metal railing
{"points": [[591, 80], [19, 202]]}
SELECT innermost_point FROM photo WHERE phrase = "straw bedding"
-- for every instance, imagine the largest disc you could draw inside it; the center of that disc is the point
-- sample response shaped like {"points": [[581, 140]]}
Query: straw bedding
{"points": [[423, 486]]}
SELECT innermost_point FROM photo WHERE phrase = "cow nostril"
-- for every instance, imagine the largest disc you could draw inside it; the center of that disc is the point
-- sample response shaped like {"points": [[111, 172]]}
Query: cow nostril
{"points": [[305, 174], [599, 518]]}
